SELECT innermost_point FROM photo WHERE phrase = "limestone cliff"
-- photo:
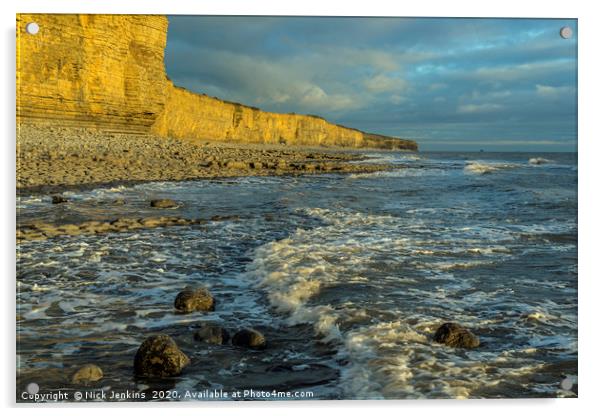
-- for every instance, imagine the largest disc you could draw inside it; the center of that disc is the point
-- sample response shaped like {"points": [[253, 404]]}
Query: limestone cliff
{"points": [[189, 115], [107, 72], [103, 71]]}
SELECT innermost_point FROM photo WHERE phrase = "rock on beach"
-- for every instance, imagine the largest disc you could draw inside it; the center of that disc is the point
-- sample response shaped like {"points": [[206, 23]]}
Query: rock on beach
{"points": [[87, 374], [163, 203], [250, 338], [455, 335], [59, 199], [194, 300], [212, 334], [159, 356]]}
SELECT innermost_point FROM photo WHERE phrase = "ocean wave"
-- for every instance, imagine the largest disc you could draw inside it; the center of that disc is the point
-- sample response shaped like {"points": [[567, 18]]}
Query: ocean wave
{"points": [[472, 251], [392, 360], [389, 158], [295, 270], [462, 265], [371, 372], [481, 168], [385, 358], [539, 161], [536, 316], [399, 173]]}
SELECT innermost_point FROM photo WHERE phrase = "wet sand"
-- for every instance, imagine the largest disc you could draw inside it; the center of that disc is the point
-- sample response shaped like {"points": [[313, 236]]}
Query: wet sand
{"points": [[50, 159]]}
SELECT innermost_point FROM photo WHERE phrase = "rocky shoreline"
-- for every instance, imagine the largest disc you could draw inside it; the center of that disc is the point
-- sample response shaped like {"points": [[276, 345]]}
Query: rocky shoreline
{"points": [[160, 357], [52, 159]]}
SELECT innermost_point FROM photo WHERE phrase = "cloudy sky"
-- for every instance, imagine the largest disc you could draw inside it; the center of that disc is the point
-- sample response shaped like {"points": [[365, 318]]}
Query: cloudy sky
{"points": [[450, 84]]}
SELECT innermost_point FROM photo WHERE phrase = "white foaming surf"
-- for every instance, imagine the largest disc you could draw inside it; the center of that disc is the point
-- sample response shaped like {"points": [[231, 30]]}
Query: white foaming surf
{"points": [[387, 358], [399, 173], [295, 269], [539, 161], [481, 168], [389, 158]]}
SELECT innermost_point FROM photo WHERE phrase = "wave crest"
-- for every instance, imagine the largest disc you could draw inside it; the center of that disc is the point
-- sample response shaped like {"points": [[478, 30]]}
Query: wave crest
{"points": [[539, 161], [482, 168]]}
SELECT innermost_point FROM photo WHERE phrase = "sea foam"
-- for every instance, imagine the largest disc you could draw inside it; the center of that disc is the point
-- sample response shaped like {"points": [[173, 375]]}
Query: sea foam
{"points": [[480, 167], [390, 357], [538, 161]]}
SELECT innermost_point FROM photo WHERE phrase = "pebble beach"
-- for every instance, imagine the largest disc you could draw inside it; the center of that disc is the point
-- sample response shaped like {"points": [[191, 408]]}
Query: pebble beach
{"points": [[50, 159]]}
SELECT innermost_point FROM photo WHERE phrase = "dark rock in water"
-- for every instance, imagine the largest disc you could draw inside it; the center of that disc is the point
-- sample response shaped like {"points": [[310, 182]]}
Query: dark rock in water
{"points": [[119, 201], [87, 374], [59, 199], [250, 338], [159, 356], [191, 300], [163, 203], [455, 335], [212, 334]]}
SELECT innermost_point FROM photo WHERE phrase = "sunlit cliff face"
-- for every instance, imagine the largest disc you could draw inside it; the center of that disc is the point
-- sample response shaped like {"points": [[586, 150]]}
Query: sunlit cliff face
{"points": [[92, 70]]}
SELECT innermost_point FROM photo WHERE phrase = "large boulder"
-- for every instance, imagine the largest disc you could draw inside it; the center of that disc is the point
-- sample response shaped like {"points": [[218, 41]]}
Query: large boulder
{"points": [[455, 335], [250, 338], [87, 374], [212, 334], [159, 356], [192, 300], [163, 203]]}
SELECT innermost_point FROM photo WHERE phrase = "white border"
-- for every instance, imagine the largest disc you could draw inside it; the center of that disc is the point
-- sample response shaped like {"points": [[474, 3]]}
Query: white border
{"points": [[458, 8], [589, 195]]}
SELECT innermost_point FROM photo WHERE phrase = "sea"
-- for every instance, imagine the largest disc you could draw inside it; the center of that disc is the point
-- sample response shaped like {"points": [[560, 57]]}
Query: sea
{"points": [[348, 276]]}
